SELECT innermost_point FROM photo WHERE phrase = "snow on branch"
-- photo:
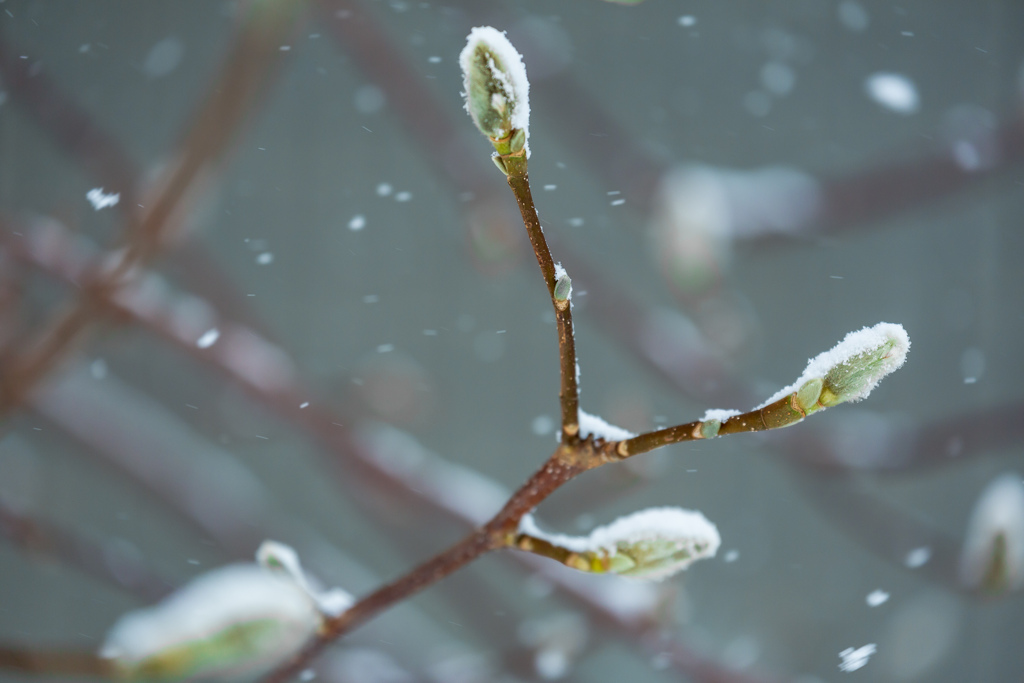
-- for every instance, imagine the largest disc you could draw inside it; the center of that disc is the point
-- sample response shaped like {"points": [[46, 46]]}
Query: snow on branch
{"points": [[592, 425]]}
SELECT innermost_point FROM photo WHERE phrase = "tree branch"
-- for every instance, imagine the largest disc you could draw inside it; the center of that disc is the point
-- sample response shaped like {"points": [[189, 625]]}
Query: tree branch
{"points": [[54, 662], [518, 180]]}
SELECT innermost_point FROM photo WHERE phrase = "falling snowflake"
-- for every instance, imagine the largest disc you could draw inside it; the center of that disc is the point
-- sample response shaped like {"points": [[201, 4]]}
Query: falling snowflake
{"points": [[855, 659]]}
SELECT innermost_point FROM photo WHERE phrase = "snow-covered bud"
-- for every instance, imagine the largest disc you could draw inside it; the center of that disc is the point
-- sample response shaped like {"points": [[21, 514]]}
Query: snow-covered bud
{"points": [[847, 372], [563, 288], [234, 621], [651, 544], [864, 358], [496, 88], [563, 284], [658, 542], [993, 553]]}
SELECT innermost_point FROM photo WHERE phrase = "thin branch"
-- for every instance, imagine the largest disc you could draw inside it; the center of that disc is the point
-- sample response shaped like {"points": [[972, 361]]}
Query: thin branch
{"points": [[497, 533], [55, 662], [781, 413], [69, 125], [518, 180]]}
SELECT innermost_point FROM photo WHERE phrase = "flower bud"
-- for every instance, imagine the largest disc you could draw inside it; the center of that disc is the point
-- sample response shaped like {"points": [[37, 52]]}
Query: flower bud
{"points": [[233, 621], [563, 288], [993, 552], [656, 543], [849, 370], [496, 88], [651, 544], [853, 378]]}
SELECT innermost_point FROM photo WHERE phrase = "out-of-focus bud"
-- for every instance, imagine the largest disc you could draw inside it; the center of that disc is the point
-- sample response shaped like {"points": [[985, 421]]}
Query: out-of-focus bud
{"points": [[993, 554], [235, 621], [496, 88], [656, 543], [651, 544], [700, 211]]}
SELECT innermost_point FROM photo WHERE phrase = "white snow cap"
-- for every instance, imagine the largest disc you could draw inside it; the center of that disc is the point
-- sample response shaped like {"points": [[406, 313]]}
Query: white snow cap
{"points": [[848, 357], [988, 562], [278, 557], [653, 544], [505, 73], [719, 414], [596, 426]]}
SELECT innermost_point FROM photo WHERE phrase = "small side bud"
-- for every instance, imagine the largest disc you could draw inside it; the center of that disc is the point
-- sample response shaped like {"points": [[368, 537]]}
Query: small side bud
{"points": [[808, 394], [993, 554], [499, 162], [518, 140], [563, 288], [709, 429], [496, 88]]}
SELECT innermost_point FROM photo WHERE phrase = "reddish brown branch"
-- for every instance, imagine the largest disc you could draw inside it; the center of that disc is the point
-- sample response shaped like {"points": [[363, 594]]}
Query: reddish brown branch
{"points": [[495, 534], [519, 181], [54, 662]]}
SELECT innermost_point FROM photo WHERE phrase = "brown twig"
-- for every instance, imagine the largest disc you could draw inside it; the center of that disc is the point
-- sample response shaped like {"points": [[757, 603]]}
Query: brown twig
{"points": [[519, 181], [781, 413], [54, 662]]}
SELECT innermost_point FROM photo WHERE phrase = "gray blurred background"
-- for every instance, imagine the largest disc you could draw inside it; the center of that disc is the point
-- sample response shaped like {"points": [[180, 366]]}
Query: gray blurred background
{"points": [[348, 239]]}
